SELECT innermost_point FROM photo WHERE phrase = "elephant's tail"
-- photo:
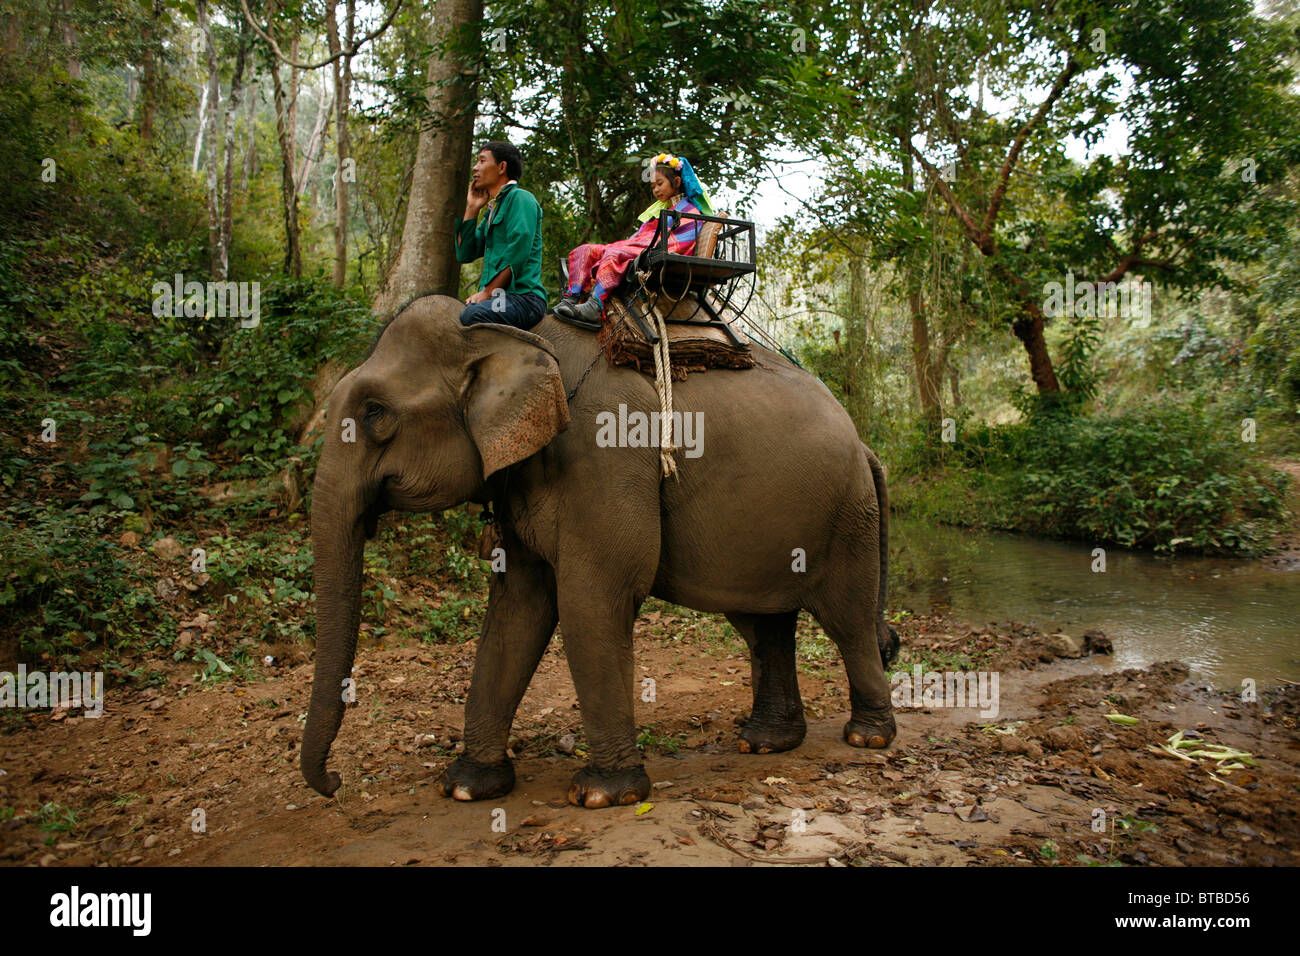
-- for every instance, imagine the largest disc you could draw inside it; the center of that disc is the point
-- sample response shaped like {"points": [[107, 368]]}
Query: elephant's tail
{"points": [[886, 637]]}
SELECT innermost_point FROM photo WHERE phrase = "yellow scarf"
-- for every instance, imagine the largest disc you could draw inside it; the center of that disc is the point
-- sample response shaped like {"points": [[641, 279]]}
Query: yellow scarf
{"points": [[652, 211]]}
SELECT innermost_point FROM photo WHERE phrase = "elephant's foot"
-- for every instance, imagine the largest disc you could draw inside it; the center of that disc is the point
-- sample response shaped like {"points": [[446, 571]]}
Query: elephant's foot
{"points": [[768, 735], [467, 780], [594, 789], [876, 732]]}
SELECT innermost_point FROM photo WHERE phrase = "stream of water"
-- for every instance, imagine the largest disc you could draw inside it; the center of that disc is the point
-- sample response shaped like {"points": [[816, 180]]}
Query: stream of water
{"points": [[1226, 619]]}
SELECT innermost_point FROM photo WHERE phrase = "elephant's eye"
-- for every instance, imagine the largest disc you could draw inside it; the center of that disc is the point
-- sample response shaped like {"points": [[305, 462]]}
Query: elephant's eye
{"points": [[376, 421]]}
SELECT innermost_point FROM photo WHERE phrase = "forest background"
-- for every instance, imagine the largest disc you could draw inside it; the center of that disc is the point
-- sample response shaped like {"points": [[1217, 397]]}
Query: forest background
{"points": [[945, 169]]}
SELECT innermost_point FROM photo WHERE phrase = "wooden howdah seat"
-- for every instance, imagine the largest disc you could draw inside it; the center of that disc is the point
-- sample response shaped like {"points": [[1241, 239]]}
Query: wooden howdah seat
{"points": [[705, 282], [717, 257]]}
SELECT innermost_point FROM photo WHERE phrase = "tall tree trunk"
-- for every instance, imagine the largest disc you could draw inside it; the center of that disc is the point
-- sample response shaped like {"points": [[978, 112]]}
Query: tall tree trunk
{"points": [[1029, 330], [927, 384], [13, 34], [572, 94], [212, 164], [342, 69], [228, 192], [294, 80], [426, 259], [198, 136], [858, 385], [149, 67], [284, 127], [309, 155], [288, 193], [69, 32], [924, 369], [250, 149]]}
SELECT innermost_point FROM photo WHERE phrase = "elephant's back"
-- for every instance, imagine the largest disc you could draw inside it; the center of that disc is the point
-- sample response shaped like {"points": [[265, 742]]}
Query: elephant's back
{"points": [[774, 400], [780, 467]]}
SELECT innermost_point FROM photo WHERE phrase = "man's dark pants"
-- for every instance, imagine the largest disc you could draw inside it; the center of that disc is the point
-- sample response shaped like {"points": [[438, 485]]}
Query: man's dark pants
{"points": [[506, 308]]}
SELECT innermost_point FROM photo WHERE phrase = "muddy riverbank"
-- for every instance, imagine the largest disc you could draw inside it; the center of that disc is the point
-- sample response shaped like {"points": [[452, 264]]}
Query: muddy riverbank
{"points": [[1050, 781]]}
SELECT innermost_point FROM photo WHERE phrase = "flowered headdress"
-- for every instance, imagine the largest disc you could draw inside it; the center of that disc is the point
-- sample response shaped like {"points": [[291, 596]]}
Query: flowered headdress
{"points": [[691, 187]]}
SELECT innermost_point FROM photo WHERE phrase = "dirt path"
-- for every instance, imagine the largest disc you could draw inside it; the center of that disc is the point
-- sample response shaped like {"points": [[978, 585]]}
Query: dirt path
{"points": [[1024, 788]]}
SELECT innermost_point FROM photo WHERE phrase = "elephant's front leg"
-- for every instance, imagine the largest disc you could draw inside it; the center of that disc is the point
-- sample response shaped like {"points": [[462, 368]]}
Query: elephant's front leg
{"points": [[520, 620], [597, 630]]}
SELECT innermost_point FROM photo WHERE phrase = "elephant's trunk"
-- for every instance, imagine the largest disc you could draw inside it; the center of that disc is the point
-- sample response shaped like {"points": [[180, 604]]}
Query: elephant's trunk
{"points": [[338, 542]]}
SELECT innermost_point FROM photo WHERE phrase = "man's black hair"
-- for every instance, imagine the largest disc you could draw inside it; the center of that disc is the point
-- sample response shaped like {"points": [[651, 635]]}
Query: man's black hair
{"points": [[508, 154]]}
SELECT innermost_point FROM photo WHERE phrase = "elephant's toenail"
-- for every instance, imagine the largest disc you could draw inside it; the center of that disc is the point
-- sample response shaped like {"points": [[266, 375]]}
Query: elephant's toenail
{"points": [[597, 800], [743, 745], [855, 739], [878, 742], [461, 792]]}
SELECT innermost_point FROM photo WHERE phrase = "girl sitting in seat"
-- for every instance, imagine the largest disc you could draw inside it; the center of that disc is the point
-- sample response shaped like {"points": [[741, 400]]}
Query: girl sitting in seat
{"points": [[598, 269]]}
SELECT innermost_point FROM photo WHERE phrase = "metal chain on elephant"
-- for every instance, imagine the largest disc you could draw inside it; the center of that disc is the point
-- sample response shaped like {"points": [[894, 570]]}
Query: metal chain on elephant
{"points": [[574, 391]]}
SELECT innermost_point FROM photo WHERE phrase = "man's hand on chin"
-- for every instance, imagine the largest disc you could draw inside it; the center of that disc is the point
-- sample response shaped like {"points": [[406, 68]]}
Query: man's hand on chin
{"points": [[480, 296]]}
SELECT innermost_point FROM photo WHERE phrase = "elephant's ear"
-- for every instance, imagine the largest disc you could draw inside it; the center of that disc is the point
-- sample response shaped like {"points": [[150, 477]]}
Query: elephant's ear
{"points": [[514, 397]]}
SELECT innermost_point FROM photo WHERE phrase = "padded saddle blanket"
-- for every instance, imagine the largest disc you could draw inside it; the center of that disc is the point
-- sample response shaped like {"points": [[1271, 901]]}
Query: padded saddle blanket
{"points": [[691, 347]]}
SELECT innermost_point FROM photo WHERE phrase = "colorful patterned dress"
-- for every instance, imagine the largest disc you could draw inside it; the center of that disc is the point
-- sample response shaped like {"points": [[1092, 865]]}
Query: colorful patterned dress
{"points": [[600, 268]]}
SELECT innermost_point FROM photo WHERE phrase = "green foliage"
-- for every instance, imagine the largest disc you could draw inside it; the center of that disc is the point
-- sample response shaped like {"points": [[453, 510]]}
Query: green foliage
{"points": [[263, 576], [64, 588], [697, 78], [68, 169], [116, 474], [1165, 477], [55, 818], [1076, 371], [1187, 196], [17, 297], [410, 548], [652, 740], [451, 620], [263, 374], [151, 407], [1273, 332]]}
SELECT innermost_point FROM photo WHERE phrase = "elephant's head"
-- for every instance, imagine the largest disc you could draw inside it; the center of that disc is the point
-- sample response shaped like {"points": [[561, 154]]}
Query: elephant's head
{"points": [[420, 425]]}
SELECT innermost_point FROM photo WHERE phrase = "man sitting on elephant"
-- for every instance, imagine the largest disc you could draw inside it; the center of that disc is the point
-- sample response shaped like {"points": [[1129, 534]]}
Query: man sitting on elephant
{"points": [[508, 238]]}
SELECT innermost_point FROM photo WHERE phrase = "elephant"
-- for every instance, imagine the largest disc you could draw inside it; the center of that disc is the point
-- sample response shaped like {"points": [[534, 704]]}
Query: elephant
{"points": [[782, 509]]}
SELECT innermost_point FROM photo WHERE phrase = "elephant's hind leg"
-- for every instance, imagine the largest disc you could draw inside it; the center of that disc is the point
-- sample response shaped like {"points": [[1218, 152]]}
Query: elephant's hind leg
{"points": [[521, 618], [777, 721], [872, 721]]}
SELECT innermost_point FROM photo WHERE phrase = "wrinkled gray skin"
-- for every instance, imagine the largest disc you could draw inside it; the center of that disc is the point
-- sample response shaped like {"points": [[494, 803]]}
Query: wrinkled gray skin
{"points": [[445, 414]]}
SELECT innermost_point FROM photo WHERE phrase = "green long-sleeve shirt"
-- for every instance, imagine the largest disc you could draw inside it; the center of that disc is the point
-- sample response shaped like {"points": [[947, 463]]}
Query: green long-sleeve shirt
{"points": [[512, 238]]}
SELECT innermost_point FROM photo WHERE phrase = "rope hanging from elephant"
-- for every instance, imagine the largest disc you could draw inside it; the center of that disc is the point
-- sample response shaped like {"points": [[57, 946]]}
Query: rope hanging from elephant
{"points": [[663, 377], [664, 385]]}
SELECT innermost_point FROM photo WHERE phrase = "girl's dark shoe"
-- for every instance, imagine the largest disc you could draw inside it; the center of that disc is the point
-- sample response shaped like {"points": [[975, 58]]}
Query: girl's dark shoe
{"points": [[589, 311], [566, 304]]}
